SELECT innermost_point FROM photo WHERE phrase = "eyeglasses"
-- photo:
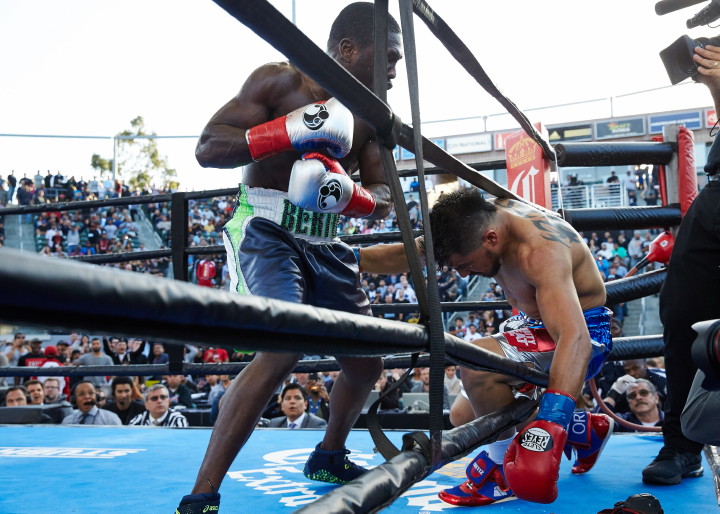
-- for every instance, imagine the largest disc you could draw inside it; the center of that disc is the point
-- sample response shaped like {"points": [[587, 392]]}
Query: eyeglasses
{"points": [[159, 397], [641, 392]]}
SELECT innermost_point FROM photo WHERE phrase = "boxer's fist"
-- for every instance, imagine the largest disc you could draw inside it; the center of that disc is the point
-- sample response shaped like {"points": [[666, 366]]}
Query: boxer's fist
{"points": [[322, 125], [532, 462], [319, 183]]}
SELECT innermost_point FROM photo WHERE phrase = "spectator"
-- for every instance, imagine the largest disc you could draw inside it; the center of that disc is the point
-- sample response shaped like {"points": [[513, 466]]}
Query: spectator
{"points": [[318, 398], [391, 400], [613, 178], [87, 412], [424, 387], [452, 381], [159, 413], [124, 404], [17, 349], [293, 403], [120, 354], [634, 369], [16, 396], [644, 406], [95, 358], [180, 395], [158, 354], [52, 390], [35, 392], [459, 329], [215, 355], [35, 358], [472, 333]]}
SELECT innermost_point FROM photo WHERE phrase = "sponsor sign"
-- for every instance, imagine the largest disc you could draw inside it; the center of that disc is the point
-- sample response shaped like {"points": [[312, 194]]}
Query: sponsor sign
{"points": [[710, 118], [620, 128], [406, 154], [570, 133], [499, 139], [691, 119], [472, 143], [528, 171], [66, 453]]}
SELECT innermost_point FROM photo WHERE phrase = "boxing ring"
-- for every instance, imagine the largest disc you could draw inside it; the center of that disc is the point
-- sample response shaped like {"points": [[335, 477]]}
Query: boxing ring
{"points": [[73, 295]]}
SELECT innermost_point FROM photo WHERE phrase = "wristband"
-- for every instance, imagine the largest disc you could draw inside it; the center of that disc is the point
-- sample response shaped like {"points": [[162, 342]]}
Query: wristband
{"points": [[356, 252], [556, 407]]}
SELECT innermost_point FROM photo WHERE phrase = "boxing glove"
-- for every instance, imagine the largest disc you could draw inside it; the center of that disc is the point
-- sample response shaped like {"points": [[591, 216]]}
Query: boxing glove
{"points": [[324, 125], [319, 183], [532, 461]]}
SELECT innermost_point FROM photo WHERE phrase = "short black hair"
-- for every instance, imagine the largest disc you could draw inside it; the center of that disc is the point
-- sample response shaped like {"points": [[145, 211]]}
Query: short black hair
{"points": [[456, 219], [356, 22], [120, 380], [293, 385]]}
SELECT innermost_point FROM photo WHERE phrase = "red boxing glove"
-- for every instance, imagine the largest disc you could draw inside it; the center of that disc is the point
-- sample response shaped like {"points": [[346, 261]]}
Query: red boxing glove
{"points": [[319, 126], [532, 461], [319, 183]]}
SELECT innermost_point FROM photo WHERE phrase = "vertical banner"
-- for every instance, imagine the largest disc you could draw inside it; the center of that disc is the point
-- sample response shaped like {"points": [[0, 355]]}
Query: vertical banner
{"points": [[528, 172]]}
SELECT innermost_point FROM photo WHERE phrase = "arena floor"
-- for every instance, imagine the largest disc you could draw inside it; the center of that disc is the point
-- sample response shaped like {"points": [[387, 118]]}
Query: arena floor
{"points": [[146, 470]]}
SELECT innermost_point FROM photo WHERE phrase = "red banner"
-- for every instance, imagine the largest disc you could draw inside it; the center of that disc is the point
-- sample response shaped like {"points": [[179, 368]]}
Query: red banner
{"points": [[528, 171]]}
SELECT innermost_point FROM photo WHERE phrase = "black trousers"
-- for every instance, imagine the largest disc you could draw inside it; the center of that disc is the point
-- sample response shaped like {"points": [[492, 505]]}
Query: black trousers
{"points": [[690, 293]]}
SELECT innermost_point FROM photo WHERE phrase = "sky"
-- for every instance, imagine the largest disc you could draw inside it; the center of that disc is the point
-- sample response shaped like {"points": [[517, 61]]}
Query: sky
{"points": [[86, 68]]}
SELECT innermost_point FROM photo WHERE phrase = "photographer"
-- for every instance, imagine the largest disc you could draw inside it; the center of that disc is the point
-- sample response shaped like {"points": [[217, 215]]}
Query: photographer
{"points": [[690, 294]]}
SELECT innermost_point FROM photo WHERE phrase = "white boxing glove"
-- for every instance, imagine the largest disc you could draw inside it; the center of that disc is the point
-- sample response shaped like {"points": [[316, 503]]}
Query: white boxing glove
{"points": [[318, 183], [326, 125]]}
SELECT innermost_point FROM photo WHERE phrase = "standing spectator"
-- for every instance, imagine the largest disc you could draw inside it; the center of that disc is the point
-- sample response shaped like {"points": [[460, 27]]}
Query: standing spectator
{"points": [[35, 358], [4, 363], [613, 178], [12, 186], [158, 412], [318, 398], [121, 354], [17, 349], [293, 404], [215, 355], [95, 358], [635, 248], [123, 404], [87, 412], [630, 185]]}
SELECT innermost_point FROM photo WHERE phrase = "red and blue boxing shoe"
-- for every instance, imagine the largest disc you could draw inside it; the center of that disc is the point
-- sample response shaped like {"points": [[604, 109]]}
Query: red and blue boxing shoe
{"points": [[486, 484], [587, 435]]}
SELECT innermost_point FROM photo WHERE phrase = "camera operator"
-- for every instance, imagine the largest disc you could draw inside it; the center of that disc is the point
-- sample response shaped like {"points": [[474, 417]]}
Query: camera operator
{"points": [[690, 294]]}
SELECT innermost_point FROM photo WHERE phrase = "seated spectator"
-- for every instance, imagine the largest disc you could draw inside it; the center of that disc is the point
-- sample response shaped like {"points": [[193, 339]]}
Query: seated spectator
{"points": [[180, 395], [318, 398], [16, 396], [392, 400], [452, 381], [35, 392], [87, 412], [424, 387], [293, 403], [215, 355], [159, 413], [644, 406], [459, 329], [634, 369], [472, 333]]}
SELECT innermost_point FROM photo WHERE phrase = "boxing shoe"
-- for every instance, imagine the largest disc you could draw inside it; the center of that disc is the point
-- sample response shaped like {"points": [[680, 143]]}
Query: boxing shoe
{"points": [[486, 484], [199, 503], [331, 466], [671, 466], [587, 435]]}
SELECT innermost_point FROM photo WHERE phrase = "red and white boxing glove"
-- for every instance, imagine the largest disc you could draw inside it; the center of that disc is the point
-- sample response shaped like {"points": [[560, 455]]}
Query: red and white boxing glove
{"points": [[326, 125], [532, 461], [319, 183]]}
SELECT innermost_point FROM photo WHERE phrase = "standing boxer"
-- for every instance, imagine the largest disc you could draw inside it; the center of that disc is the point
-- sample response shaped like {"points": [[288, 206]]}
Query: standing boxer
{"points": [[298, 145], [550, 276]]}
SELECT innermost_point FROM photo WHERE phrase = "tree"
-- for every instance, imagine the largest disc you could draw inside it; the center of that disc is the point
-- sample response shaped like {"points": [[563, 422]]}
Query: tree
{"points": [[139, 161]]}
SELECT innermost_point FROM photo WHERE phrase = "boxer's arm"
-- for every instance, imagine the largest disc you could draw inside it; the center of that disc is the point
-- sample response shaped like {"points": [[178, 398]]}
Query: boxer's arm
{"points": [[223, 143], [386, 258], [560, 310], [373, 178]]}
